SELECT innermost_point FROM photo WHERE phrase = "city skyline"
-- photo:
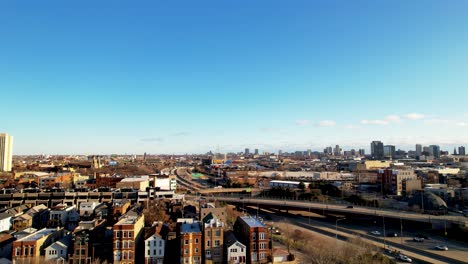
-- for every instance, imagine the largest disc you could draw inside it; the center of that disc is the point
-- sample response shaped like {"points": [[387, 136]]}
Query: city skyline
{"points": [[110, 77]]}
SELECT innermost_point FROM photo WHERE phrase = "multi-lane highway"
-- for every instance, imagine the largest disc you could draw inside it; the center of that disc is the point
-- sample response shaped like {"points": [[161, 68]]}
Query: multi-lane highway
{"points": [[307, 205]]}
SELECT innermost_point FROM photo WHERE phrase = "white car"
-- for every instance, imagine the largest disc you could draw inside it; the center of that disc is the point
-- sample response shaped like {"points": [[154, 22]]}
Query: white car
{"points": [[375, 233], [418, 239], [405, 258], [441, 247]]}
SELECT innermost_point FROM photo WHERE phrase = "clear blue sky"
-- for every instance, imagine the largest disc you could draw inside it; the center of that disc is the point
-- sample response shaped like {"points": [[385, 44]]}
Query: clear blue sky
{"points": [[189, 76]]}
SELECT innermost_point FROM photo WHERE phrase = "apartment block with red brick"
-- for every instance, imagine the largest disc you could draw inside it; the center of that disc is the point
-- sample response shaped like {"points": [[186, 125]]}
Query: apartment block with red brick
{"points": [[191, 243], [128, 239], [254, 235]]}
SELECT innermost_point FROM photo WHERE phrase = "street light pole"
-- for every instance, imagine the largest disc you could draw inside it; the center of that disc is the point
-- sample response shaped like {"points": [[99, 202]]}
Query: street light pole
{"points": [[336, 227]]}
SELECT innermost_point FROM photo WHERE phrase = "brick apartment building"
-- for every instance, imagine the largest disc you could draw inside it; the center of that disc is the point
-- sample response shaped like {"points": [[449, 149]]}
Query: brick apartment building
{"points": [[190, 243], [128, 239], [254, 235]]}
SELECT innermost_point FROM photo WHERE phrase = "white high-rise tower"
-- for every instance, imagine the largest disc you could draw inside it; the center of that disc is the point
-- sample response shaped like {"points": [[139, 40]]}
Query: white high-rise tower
{"points": [[6, 152]]}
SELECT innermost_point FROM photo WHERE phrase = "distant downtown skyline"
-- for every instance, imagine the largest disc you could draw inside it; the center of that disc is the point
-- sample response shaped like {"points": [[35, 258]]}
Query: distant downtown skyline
{"points": [[164, 77]]}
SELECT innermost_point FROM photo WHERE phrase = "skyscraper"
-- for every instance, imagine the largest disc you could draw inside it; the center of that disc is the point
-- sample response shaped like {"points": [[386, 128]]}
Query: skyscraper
{"points": [[434, 150], [461, 151], [418, 150], [389, 151], [377, 149], [247, 151], [337, 150], [6, 152], [256, 152]]}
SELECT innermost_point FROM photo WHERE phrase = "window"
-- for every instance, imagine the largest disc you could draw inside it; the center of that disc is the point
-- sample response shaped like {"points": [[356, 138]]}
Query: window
{"points": [[262, 245], [124, 234], [125, 255], [130, 244], [262, 236], [124, 245], [31, 251], [186, 242], [117, 234], [196, 250], [160, 252], [254, 236], [196, 240], [26, 251], [154, 251], [217, 243], [149, 252], [160, 243], [117, 245], [208, 233], [262, 256], [217, 233], [154, 243], [186, 251], [254, 246], [233, 250], [208, 243], [130, 255], [129, 233]]}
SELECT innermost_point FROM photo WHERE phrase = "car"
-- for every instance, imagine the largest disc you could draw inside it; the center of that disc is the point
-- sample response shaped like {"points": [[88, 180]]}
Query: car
{"points": [[441, 247], [422, 236], [392, 234], [418, 239], [375, 233], [350, 206], [405, 258]]}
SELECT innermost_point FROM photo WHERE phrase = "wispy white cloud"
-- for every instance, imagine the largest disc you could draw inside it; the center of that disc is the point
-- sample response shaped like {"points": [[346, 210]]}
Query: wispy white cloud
{"points": [[414, 116], [326, 123], [302, 122], [351, 126], [437, 121], [374, 122], [393, 119], [153, 139], [382, 122]]}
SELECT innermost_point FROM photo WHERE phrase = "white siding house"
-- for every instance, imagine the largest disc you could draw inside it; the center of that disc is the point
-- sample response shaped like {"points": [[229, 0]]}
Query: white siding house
{"points": [[154, 249]]}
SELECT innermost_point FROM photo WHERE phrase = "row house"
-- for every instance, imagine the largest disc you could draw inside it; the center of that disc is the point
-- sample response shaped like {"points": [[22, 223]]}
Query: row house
{"points": [[128, 238], [254, 234], [28, 249], [154, 249], [190, 243], [213, 240]]}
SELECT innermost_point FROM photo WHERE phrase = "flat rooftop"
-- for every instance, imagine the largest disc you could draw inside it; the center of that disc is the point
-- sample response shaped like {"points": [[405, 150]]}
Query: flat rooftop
{"points": [[190, 228], [252, 222], [39, 234]]}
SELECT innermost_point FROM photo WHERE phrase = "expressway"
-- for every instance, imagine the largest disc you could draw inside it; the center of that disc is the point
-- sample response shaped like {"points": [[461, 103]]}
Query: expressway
{"points": [[423, 252], [435, 221]]}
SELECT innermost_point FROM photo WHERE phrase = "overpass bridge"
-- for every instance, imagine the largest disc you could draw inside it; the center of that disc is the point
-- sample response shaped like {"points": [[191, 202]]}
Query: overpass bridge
{"points": [[436, 222]]}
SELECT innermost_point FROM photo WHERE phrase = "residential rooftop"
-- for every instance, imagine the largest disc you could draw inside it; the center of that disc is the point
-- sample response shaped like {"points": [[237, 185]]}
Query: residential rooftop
{"points": [[252, 222], [190, 228], [39, 234]]}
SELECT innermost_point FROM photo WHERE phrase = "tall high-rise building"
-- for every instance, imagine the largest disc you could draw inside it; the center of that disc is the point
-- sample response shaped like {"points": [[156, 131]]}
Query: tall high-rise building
{"points": [[389, 151], [247, 151], [434, 150], [256, 151], [362, 152], [337, 150], [418, 150], [6, 152], [377, 149], [461, 151]]}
